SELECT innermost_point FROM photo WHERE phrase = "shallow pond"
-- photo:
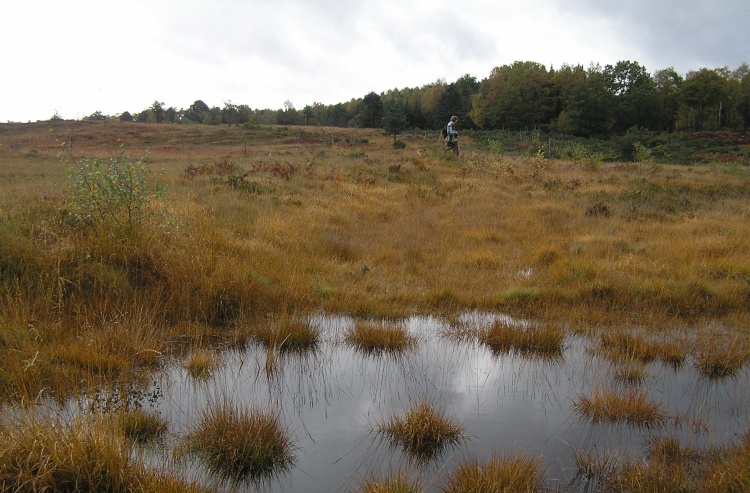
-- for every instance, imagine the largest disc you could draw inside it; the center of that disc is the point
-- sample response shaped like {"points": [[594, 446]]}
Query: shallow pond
{"points": [[333, 398]]}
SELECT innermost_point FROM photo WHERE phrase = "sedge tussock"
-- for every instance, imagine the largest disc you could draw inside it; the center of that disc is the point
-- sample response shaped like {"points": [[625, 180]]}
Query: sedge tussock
{"points": [[719, 356], [512, 474], [671, 467], [47, 454], [720, 364], [630, 372], [376, 337], [630, 406], [392, 483], [288, 334], [201, 364], [543, 341], [625, 346], [241, 444], [422, 431], [141, 426]]}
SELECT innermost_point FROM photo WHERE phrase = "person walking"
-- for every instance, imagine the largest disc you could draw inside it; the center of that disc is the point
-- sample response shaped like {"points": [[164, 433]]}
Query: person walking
{"points": [[451, 139]]}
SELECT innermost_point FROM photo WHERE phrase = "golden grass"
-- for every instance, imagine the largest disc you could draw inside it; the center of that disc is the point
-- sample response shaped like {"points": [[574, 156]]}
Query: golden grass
{"points": [[316, 223], [422, 431], [720, 364], [719, 355], [671, 467], [201, 364], [621, 346], [241, 444], [395, 483], [631, 372], [288, 334], [515, 474], [377, 337], [140, 426], [47, 454], [614, 406], [544, 341]]}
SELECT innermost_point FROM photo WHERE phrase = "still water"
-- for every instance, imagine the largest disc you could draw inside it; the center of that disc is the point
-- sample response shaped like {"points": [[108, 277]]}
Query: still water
{"points": [[332, 399]]}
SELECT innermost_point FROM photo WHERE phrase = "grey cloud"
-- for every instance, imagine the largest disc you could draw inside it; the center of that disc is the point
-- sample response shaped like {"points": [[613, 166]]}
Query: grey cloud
{"points": [[687, 34]]}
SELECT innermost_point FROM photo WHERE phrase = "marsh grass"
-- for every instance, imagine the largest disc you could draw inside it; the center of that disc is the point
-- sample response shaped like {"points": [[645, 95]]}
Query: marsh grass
{"points": [[716, 365], [672, 467], [140, 426], [541, 341], [630, 372], [719, 357], [288, 334], [241, 444], [422, 431], [613, 406], [622, 346], [592, 466], [313, 222], [378, 337], [201, 364], [393, 483], [514, 474], [48, 454]]}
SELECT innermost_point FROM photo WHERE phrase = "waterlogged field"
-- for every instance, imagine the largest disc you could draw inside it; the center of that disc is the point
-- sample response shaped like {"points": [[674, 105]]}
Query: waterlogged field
{"points": [[334, 399], [313, 310]]}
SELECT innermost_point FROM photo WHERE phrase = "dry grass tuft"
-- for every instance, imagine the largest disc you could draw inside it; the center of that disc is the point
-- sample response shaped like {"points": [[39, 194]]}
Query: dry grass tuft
{"points": [[422, 431], [630, 372], [630, 406], [288, 334], [674, 468], [239, 444], [141, 427], [397, 483], [716, 365], [375, 337], [46, 454], [544, 341], [201, 364], [625, 346], [517, 474]]}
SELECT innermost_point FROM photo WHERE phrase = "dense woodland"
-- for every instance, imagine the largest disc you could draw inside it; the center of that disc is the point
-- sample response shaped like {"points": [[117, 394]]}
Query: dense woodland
{"points": [[595, 102]]}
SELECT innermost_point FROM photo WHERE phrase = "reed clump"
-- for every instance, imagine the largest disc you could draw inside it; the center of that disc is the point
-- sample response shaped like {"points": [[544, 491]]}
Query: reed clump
{"points": [[422, 431], [393, 483], [201, 364], [241, 444], [543, 341], [377, 337], [627, 346], [140, 426], [47, 454], [288, 334], [630, 406], [630, 372], [671, 467], [716, 365], [512, 474]]}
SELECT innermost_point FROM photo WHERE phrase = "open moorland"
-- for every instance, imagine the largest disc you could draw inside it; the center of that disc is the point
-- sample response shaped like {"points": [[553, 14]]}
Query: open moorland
{"points": [[135, 253]]}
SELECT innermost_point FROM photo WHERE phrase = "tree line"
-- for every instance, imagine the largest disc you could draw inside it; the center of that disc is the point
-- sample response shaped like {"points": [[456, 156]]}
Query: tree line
{"points": [[587, 102]]}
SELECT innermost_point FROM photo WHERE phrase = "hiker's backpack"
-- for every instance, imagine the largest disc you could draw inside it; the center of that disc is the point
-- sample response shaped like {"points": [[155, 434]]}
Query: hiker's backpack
{"points": [[444, 132]]}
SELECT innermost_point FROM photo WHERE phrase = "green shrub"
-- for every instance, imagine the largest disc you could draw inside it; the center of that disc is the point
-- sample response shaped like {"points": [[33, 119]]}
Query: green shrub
{"points": [[113, 194]]}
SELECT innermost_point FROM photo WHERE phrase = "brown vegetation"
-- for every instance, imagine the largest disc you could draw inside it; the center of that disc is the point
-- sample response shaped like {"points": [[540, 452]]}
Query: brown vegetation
{"points": [[422, 431], [260, 227]]}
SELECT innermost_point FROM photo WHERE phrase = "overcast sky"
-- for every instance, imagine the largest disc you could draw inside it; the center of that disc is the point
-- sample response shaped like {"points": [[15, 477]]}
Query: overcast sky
{"points": [[75, 57]]}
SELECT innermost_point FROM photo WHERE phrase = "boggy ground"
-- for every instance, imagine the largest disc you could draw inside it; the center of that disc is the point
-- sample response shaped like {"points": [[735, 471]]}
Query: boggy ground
{"points": [[259, 223]]}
